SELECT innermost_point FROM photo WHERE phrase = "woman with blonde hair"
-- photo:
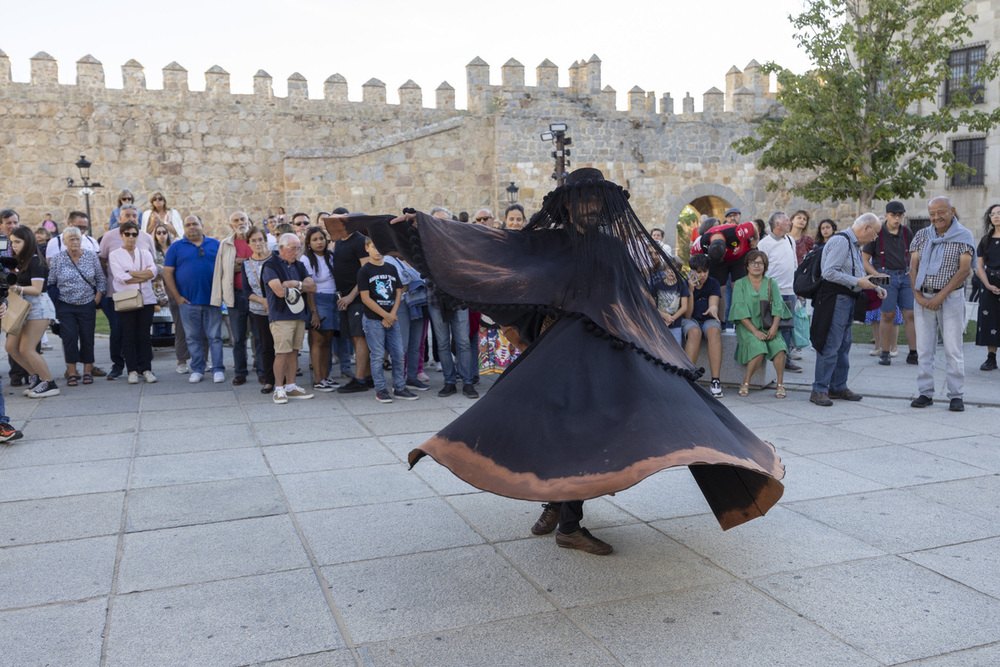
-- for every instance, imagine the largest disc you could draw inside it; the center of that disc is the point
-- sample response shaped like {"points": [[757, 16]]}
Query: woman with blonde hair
{"points": [[124, 197], [160, 213]]}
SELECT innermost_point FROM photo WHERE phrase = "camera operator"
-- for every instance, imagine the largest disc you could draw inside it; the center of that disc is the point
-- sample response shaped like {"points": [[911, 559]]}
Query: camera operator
{"points": [[7, 432]]}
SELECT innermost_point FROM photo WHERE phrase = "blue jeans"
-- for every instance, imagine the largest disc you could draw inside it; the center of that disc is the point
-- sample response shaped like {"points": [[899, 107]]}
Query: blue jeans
{"points": [[379, 339], [411, 331], [239, 317], [344, 348], [456, 329], [115, 339], [832, 362], [4, 419], [790, 301], [203, 322]]}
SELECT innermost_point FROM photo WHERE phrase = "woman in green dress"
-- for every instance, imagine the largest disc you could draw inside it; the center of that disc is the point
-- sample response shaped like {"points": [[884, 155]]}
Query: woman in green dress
{"points": [[752, 341]]}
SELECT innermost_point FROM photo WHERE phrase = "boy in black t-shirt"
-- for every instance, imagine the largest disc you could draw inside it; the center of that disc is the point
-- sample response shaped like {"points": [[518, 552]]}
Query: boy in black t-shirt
{"points": [[381, 292]]}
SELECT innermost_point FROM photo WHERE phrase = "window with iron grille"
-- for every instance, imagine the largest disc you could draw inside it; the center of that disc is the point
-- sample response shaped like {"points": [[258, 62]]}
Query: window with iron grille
{"points": [[964, 65], [970, 152]]}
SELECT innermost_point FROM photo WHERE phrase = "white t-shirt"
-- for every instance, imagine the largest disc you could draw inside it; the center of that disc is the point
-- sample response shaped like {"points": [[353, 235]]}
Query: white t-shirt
{"points": [[781, 261], [56, 246], [323, 277]]}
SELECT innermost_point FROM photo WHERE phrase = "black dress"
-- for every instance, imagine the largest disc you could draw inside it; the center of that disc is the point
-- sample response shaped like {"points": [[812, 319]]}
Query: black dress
{"points": [[988, 320], [590, 390]]}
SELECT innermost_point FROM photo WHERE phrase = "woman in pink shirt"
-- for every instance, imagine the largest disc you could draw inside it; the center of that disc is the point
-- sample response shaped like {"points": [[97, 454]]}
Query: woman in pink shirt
{"points": [[134, 268]]}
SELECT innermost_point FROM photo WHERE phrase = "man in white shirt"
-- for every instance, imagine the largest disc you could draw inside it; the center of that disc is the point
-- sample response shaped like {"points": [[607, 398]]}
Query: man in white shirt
{"points": [[782, 262], [79, 220]]}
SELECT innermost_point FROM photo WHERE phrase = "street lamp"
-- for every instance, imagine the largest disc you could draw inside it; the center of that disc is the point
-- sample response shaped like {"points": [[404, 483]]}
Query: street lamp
{"points": [[557, 135], [512, 193], [87, 188]]}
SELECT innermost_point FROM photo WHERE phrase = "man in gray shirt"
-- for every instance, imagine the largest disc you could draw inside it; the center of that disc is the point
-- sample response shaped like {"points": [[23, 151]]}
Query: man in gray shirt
{"points": [[843, 277]]}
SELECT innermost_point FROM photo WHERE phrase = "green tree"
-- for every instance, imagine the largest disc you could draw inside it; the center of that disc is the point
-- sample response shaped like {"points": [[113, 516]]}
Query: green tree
{"points": [[686, 221], [869, 121]]}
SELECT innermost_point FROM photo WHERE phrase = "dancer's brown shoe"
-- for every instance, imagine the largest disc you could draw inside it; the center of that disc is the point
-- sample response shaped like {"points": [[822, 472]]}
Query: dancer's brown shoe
{"points": [[548, 521], [584, 541]]}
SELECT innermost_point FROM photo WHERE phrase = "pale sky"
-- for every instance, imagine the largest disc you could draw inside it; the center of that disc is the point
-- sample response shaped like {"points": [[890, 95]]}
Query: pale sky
{"points": [[659, 45]]}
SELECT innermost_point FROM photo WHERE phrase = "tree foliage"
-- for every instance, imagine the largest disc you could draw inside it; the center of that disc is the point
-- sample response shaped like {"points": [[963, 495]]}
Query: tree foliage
{"points": [[869, 121]]}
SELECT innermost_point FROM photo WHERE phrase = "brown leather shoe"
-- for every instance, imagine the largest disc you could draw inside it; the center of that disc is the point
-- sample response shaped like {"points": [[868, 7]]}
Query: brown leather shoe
{"points": [[845, 394], [820, 398], [548, 521], [239, 379], [584, 541]]}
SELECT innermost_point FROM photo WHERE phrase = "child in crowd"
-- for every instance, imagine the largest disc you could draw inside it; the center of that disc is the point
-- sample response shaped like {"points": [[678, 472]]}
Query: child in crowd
{"points": [[672, 298], [703, 319], [381, 292]]}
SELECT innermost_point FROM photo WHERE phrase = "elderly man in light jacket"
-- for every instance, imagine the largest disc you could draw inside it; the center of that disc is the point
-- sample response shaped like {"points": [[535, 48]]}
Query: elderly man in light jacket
{"points": [[227, 287]]}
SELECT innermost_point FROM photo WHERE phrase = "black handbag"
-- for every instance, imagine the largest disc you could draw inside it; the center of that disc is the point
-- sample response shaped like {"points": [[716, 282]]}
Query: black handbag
{"points": [[765, 313]]}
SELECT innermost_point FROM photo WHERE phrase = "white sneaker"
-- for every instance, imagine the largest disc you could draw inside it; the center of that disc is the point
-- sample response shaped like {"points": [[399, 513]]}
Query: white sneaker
{"points": [[716, 389], [150, 378], [218, 376], [795, 354], [423, 377], [195, 377], [279, 396], [133, 377], [874, 353], [184, 368]]}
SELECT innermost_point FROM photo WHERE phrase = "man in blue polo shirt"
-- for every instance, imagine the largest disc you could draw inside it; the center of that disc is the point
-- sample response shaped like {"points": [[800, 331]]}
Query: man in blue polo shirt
{"points": [[188, 270]]}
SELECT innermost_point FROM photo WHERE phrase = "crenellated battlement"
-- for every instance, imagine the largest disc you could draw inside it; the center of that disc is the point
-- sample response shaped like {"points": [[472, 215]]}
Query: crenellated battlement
{"points": [[747, 92]]}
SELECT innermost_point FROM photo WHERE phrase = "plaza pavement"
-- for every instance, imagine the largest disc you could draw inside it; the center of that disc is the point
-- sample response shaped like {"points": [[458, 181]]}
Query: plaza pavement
{"points": [[177, 524]]}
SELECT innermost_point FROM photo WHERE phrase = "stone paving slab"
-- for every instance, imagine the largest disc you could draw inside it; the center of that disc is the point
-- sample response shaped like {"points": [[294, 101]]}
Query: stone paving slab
{"points": [[897, 520], [63, 634], [721, 624], [57, 572], [204, 502], [377, 598], [889, 608], [69, 450], [64, 518], [247, 533], [232, 622], [388, 529], [67, 479], [209, 552]]}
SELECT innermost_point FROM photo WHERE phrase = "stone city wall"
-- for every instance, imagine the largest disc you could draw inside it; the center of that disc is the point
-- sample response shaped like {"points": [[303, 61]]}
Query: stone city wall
{"points": [[213, 151]]}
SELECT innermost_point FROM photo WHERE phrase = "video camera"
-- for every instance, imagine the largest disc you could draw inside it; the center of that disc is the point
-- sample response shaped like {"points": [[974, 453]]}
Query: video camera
{"points": [[7, 277]]}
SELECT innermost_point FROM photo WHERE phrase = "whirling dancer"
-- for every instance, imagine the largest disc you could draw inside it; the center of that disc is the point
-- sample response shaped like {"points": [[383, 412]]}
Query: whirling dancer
{"points": [[599, 367]]}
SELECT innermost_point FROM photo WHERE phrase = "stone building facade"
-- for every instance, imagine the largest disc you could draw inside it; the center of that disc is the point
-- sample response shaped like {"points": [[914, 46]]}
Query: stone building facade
{"points": [[213, 151]]}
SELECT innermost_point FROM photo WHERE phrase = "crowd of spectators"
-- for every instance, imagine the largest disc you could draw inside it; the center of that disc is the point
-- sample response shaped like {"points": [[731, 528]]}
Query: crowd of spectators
{"points": [[282, 282]]}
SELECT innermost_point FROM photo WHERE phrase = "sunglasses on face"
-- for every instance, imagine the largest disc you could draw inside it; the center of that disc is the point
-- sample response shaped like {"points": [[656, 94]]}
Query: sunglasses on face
{"points": [[125, 199], [158, 199], [300, 224], [130, 234], [483, 219]]}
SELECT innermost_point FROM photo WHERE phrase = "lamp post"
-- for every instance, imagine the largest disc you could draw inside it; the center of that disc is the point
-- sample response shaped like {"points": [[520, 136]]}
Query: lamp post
{"points": [[512, 194], [87, 188], [557, 135]]}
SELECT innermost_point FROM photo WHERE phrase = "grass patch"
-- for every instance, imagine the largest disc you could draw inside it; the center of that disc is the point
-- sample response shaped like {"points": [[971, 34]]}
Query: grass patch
{"points": [[861, 334], [102, 326]]}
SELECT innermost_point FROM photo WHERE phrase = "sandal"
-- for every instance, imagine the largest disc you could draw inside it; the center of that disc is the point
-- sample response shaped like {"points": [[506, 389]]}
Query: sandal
{"points": [[744, 389], [88, 378], [780, 392], [72, 380]]}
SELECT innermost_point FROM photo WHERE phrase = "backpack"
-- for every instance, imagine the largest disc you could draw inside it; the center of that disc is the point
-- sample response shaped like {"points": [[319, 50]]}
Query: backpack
{"points": [[809, 274]]}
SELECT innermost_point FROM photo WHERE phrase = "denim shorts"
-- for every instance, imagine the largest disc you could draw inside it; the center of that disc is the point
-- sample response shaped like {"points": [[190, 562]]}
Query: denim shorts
{"points": [[898, 292], [687, 324], [326, 306], [41, 307]]}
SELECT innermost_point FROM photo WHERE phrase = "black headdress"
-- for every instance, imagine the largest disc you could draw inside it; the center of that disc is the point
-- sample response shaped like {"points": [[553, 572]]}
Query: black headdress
{"points": [[594, 210]]}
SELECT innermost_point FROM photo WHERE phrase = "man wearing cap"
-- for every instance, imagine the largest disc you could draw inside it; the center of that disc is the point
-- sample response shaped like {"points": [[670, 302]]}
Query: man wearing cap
{"points": [[733, 216], [940, 263], [889, 254], [286, 280], [725, 246]]}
